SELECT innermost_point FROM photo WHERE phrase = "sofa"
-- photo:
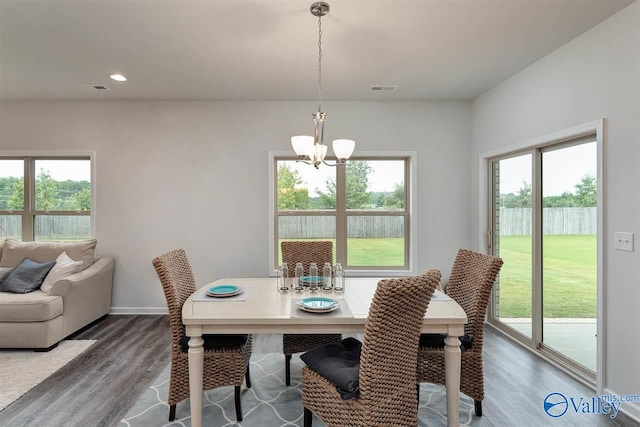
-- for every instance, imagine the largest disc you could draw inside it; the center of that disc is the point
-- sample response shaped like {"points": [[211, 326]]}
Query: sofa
{"points": [[77, 294]]}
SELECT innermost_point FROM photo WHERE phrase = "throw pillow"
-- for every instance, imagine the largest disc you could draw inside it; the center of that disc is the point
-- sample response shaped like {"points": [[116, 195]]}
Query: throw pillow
{"points": [[64, 267], [4, 271], [26, 277]]}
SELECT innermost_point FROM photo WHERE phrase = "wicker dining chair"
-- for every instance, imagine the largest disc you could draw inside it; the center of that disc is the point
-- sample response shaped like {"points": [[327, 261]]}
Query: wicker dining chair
{"points": [[305, 252], [387, 374], [472, 277], [226, 357]]}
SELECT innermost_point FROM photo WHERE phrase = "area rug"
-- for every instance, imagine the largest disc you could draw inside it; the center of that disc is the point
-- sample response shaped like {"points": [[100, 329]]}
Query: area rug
{"points": [[268, 403], [21, 370]]}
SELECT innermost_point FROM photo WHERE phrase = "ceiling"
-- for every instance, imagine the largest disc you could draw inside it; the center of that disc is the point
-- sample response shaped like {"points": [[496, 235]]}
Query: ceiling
{"points": [[267, 50]]}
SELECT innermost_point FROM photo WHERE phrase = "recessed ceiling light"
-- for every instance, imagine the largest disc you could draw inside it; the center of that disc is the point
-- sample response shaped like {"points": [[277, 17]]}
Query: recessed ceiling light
{"points": [[118, 77]]}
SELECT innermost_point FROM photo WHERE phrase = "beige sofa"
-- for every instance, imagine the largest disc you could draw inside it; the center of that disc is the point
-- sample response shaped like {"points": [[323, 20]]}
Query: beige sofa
{"points": [[40, 319]]}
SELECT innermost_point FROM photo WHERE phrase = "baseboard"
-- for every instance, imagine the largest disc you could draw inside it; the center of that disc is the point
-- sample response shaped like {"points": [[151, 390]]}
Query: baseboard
{"points": [[630, 410], [138, 310]]}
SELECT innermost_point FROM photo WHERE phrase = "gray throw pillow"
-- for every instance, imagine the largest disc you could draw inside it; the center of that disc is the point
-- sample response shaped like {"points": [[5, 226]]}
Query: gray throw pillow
{"points": [[26, 277]]}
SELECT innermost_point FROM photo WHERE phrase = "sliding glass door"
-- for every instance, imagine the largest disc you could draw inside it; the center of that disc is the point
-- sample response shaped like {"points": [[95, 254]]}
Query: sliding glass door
{"points": [[544, 224]]}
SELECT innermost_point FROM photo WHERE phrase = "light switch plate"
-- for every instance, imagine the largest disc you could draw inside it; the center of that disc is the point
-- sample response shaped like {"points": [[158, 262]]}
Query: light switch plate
{"points": [[623, 241]]}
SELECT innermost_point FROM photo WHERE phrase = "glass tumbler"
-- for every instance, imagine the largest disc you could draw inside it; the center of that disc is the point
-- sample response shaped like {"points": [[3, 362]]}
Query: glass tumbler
{"points": [[313, 277], [299, 272], [326, 277], [339, 278], [284, 278]]}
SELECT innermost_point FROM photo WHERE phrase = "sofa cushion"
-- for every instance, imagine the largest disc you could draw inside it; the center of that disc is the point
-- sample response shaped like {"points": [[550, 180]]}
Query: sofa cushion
{"points": [[15, 251], [26, 277], [64, 267], [35, 306]]}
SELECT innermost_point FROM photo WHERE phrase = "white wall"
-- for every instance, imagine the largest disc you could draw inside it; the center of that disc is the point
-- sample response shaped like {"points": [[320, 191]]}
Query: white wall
{"points": [[596, 75], [194, 175]]}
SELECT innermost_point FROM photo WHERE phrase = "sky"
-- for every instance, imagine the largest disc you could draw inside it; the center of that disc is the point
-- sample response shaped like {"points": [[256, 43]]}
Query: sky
{"points": [[383, 178], [557, 176], [61, 170]]}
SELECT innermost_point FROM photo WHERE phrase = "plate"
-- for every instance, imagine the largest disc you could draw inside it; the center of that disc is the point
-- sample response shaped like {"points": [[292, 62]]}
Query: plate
{"points": [[307, 280], [221, 291], [318, 303], [318, 310]]}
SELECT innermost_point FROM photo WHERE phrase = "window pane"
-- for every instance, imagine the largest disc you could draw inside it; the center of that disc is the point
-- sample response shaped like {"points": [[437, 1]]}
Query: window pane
{"points": [[62, 227], [10, 226], [306, 228], [376, 185], [303, 187], [63, 185], [375, 241], [11, 185]]}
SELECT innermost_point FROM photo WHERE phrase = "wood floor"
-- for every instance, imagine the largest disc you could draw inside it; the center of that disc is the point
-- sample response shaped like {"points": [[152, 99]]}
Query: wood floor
{"points": [[98, 387]]}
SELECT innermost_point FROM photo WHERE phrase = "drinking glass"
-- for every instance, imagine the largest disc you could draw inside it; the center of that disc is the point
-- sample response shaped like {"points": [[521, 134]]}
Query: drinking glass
{"points": [[339, 278], [299, 272], [284, 276], [313, 277], [326, 273]]}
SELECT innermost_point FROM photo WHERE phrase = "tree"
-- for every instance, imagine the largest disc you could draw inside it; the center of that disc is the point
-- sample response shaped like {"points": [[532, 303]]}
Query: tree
{"points": [[356, 191], [16, 200], [586, 192], [564, 200], [82, 200], [290, 197], [396, 199], [46, 195], [523, 197]]}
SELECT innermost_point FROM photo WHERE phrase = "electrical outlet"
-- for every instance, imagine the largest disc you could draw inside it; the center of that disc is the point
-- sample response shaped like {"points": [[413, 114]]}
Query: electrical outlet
{"points": [[623, 241]]}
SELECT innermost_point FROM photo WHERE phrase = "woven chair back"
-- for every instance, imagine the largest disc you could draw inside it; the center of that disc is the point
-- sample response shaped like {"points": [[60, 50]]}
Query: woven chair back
{"points": [[472, 277], [306, 253], [178, 284], [390, 345]]}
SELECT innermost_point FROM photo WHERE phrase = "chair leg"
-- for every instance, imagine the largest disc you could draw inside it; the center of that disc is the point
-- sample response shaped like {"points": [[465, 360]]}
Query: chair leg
{"points": [[308, 417], [418, 393], [172, 412], [247, 378], [477, 404], [238, 406], [287, 369]]}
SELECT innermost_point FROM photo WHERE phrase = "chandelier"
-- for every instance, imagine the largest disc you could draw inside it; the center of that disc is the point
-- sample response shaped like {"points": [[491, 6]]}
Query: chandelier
{"points": [[311, 149]]}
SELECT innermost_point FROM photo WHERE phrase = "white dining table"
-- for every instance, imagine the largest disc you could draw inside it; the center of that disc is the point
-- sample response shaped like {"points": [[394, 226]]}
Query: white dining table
{"points": [[262, 309]]}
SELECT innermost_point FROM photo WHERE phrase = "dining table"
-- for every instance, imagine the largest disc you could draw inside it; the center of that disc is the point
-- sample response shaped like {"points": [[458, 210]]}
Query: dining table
{"points": [[262, 309]]}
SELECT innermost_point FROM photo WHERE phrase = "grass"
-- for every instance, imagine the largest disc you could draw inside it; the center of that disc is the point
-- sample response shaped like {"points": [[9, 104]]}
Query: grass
{"points": [[569, 276]]}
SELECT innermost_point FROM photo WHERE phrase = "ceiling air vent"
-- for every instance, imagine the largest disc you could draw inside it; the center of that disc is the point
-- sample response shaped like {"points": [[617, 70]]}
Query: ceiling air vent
{"points": [[94, 87], [383, 88]]}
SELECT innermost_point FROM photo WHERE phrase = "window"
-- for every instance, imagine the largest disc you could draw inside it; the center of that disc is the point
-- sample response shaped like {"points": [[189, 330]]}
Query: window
{"points": [[45, 198], [363, 208]]}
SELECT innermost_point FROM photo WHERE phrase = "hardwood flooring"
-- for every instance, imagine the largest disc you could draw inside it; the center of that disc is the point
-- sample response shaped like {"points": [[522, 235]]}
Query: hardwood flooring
{"points": [[98, 387]]}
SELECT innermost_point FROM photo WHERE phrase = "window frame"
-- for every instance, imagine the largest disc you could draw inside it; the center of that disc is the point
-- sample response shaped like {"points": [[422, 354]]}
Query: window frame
{"points": [[342, 214], [29, 213]]}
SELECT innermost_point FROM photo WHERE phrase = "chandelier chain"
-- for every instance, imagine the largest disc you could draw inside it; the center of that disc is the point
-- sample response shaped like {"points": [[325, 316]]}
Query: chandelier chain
{"points": [[319, 62]]}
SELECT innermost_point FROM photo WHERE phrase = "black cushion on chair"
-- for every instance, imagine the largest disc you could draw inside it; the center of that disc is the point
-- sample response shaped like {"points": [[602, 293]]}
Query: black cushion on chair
{"points": [[339, 363], [213, 342], [437, 341]]}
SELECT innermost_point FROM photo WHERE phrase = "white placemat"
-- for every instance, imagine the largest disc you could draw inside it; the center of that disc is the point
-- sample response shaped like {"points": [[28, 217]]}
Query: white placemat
{"points": [[342, 311], [202, 296]]}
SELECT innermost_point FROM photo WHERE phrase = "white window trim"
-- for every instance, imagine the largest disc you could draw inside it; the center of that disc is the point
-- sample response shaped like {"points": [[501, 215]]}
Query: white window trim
{"points": [[65, 153], [413, 212]]}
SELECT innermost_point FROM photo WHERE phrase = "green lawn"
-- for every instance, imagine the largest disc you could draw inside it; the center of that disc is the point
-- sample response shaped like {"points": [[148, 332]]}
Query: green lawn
{"points": [[569, 278]]}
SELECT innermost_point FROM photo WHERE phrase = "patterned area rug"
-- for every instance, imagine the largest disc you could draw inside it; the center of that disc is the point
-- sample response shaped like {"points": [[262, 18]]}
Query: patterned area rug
{"points": [[268, 403], [21, 370]]}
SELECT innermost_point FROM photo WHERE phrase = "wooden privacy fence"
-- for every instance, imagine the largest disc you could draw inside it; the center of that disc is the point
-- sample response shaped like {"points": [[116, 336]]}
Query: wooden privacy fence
{"points": [[517, 221], [311, 227], [49, 227]]}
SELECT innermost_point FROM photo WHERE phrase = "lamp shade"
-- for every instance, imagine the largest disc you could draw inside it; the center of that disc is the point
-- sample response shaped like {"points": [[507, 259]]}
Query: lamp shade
{"points": [[302, 145], [343, 148]]}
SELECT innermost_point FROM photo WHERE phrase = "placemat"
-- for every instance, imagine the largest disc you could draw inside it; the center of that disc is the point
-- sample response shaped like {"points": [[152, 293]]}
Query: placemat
{"points": [[342, 311], [202, 296]]}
